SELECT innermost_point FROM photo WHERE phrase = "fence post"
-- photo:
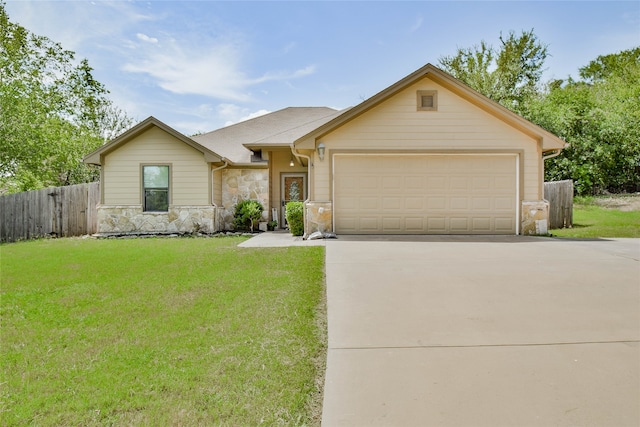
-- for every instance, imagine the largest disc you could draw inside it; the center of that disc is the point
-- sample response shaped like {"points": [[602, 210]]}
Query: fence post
{"points": [[559, 194]]}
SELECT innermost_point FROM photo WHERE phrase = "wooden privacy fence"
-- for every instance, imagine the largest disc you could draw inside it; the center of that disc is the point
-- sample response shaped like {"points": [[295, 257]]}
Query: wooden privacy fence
{"points": [[560, 197], [56, 211]]}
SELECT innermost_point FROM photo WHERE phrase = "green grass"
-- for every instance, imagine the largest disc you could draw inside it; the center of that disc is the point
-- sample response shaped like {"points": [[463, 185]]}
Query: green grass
{"points": [[593, 221], [161, 332]]}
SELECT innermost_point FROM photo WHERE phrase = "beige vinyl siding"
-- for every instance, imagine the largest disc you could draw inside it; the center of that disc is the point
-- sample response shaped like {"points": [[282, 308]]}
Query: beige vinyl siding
{"points": [[189, 171], [457, 125]]}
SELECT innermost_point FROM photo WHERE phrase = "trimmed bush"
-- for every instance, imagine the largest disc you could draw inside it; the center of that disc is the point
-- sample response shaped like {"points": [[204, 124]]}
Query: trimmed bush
{"points": [[248, 212], [295, 217]]}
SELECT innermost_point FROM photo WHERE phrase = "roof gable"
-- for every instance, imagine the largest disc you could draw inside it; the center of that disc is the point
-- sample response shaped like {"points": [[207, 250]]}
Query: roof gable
{"points": [[96, 156], [547, 140]]}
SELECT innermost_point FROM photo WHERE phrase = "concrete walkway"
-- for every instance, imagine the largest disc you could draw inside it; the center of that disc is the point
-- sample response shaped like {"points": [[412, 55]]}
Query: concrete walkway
{"points": [[480, 331], [278, 239]]}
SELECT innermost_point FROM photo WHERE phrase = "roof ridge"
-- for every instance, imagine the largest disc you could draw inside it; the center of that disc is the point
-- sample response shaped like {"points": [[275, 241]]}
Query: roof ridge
{"points": [[262, 116], [332, 113]]}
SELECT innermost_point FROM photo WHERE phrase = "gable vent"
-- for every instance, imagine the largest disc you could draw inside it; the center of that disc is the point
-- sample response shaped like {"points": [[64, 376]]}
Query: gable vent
{"points": [[427, 100]]}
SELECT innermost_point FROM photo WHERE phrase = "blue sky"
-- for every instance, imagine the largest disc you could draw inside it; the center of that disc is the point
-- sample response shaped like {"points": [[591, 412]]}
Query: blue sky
{"points": [[200, 65]]}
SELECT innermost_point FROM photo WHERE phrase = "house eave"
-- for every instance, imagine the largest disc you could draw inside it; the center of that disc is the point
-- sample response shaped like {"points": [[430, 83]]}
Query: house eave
{"points": [[547, 140], [96, 157], [254, 147]]}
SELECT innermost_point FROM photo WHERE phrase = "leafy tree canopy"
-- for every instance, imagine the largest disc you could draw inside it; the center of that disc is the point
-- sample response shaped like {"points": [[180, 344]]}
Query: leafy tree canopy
{"points": [[598, 115], [53, 112], [600, 118], [509, 75]]}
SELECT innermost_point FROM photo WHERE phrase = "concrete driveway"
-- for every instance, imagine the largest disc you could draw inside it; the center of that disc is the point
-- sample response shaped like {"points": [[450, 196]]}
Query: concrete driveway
{"points": [[482, 331]]}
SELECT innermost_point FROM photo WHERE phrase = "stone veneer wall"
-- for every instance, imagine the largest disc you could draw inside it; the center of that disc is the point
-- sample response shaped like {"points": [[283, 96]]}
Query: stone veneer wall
{"points": [[318, 217], [535, 217], [243, 184], [179, 219]]}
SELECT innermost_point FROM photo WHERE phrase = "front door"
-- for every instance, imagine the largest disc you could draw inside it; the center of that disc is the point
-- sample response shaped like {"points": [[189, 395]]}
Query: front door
{"points": [[293, 189]]}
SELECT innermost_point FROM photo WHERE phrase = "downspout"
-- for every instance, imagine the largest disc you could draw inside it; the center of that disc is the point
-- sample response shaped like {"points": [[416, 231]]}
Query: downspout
{"points": [[213, 203], [555, 153], [226, 163], [309, 166]]}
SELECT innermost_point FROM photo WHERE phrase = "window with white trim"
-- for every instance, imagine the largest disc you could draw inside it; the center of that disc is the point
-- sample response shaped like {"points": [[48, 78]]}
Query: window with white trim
{"points": [[155, 188]]}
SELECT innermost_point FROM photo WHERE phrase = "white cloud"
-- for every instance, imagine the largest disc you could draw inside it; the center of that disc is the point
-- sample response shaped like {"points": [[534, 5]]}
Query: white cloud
{"points": [[416, 26], [93, 22], [289, 47], [213, 69], [146, 38], [232, 114], [284, 75], [249, 116]]}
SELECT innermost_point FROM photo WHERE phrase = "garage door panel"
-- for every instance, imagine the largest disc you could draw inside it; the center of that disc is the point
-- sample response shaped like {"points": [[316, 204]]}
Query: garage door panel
{"points": [[459, 183], [368, 183], [481, 203], [504, 224], [346, 224], [414, 203], [433, 194], [437, 225], [436, 203], [368, 203], [347, 203], [459, 203], [481, 224], [504, 203], [481, 183], [415, 225], [459, 225], [393, 182], [369, 224], [504, 183], [414, 183], [437, 183], [392, 224], [392, 203]]}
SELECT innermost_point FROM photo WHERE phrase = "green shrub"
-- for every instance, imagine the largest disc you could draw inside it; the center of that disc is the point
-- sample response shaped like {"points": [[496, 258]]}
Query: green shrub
{"points": [[295, 217], [248, 212]]}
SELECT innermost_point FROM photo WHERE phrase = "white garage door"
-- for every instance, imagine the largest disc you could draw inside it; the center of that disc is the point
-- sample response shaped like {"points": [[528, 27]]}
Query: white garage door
{"points": [[425, 194]]}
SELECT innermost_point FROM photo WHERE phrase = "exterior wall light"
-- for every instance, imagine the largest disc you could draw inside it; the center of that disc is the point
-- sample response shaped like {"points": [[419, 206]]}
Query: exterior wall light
{"points": [[291, 163], [321, 149]]}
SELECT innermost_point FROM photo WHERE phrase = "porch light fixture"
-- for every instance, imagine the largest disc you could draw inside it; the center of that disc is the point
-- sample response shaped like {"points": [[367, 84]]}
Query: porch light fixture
{"points": [[291, 163], [321, 150]]}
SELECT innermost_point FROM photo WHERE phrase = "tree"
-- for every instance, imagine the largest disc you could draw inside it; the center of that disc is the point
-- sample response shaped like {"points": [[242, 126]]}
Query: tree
{"points": [[53, 112], [509, 75], [600, 118], [616, 64], [599, 115]]}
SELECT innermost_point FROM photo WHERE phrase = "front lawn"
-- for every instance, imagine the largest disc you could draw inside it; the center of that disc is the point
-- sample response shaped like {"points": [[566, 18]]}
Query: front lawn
{"points": [[591, 220], [161, 332]]}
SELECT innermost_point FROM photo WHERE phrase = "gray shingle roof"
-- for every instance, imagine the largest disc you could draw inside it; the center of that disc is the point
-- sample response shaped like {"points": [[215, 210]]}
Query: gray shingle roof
{"points": [[279, 128]]}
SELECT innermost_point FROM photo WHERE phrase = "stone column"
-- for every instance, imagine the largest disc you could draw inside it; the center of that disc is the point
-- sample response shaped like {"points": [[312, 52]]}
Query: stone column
{"points": [[318, 217], [535, 217]]}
